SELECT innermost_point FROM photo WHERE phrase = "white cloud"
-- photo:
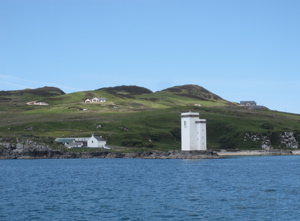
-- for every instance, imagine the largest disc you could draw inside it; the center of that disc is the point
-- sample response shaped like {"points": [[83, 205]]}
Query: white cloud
{"points": [[15, 85]]}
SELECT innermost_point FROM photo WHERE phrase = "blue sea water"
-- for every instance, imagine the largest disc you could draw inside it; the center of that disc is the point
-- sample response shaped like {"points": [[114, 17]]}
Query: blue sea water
{"points": [[237, 188]]}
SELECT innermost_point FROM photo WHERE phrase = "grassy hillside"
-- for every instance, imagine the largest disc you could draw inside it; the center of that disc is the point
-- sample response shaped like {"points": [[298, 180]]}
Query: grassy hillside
{"points": [[135, 118]]}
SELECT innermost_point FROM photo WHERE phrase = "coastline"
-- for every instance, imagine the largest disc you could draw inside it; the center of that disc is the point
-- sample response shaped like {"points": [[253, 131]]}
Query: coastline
{"points": [[258, 152], [51, 154], [36, 151]]}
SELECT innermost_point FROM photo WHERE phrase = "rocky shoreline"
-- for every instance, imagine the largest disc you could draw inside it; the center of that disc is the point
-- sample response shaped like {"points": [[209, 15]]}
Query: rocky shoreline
{"points": [[37, 151], [50, 154], [258, 152]]}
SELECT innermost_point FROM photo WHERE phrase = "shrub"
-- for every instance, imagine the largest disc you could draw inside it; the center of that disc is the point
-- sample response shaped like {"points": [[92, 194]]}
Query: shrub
{"points": [[227, 142], [267, 126], [132, 143], [176, 133]]}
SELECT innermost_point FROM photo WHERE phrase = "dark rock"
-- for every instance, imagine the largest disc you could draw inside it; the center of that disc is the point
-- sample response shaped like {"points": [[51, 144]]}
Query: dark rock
{"points": [[32, 150]]}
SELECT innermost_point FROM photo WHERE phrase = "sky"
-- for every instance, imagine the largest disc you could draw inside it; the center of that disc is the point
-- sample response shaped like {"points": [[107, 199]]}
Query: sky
{"points": [[238, 49]]}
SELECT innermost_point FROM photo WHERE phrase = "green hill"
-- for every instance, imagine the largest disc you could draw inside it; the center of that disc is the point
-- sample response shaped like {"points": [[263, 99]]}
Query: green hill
{"points": [[135, 118], [29, 94]]}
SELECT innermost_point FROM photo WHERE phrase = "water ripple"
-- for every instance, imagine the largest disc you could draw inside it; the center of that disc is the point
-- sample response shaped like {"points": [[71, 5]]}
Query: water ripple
{"points": [[253, 188]]}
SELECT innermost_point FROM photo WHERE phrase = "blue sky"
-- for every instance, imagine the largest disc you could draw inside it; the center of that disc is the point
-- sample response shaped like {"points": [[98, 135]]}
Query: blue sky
{"points": [[237, 49]]}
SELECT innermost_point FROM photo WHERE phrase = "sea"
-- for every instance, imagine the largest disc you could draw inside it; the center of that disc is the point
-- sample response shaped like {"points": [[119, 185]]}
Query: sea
{"points": [[233, 188]]}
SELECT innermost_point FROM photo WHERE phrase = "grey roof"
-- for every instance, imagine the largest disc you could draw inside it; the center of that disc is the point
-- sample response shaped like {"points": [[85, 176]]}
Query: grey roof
{"points": [[247, 102], [64, 140], [99, 138], [80, 139]]}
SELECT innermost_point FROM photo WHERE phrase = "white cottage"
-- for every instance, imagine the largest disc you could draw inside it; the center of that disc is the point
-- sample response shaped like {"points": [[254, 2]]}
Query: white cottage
{"points": [[96, 100], [92, 142], [193, 132], [99, 99], [96, 142]]}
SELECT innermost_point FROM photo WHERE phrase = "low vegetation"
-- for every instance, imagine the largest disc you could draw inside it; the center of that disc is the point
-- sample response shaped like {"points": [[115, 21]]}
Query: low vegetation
{"points": [[137, 119]]}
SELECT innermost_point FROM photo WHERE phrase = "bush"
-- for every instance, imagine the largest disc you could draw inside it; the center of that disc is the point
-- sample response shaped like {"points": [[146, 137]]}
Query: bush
{"points": [[149, 145], [227, 142], [176, 133], [274, 138], [267, 126], [132, 143]]}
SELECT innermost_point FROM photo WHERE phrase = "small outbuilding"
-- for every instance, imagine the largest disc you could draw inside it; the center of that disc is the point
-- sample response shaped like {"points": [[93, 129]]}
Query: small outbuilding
{"points": [[36, 103]]}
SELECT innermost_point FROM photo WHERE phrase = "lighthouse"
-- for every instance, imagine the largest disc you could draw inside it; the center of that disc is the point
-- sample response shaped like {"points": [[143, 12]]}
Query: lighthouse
{"points": [[193, 132]]}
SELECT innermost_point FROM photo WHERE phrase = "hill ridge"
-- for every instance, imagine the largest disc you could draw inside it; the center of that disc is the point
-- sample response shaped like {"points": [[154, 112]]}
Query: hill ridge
{"points": [[194, 91], [44, 91], [135, 117]]}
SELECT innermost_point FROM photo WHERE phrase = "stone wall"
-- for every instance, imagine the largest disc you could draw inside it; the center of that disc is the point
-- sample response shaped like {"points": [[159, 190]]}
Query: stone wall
{"points": [[284, 139], [288, 140]]}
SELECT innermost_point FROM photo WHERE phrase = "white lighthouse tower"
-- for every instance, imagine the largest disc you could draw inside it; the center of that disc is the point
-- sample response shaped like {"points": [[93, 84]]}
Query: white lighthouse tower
{"points": [[193, 132]]}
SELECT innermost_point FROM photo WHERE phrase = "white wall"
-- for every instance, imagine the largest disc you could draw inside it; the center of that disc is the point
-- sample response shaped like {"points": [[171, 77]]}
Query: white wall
{"points": [[92, 142], [189, 131], [193, 132], [202, 137]]}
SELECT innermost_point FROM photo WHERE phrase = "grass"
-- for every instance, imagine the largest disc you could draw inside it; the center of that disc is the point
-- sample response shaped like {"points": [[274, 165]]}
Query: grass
{"points": [[140, 122], [160, 129]]}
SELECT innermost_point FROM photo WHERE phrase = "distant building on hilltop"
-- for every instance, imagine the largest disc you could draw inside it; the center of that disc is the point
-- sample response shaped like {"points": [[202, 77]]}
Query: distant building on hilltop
{"points": [[247, 103], [252, 105]]}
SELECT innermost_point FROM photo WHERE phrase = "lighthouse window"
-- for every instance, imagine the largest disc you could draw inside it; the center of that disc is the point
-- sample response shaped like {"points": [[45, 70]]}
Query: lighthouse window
{"points": [[184, 123]]}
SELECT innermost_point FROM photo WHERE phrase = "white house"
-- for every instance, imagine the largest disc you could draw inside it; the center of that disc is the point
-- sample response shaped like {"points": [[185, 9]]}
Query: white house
{"points": [[96, 100], [247, 103], [99, 99], [193, 132], [96, 142], [91, 142]]}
